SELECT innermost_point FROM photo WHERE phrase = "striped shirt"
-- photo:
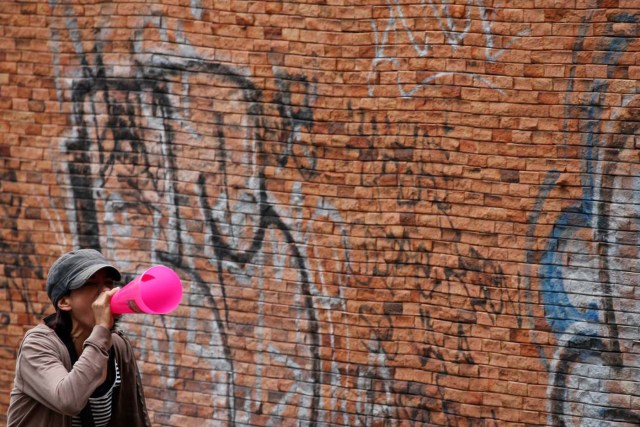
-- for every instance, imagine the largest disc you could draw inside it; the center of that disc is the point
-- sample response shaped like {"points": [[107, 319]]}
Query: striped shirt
{"points": [[101, 405]]}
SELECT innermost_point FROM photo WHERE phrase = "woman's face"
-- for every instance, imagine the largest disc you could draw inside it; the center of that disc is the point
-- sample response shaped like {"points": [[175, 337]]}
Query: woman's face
{"points": [[78, 302]]}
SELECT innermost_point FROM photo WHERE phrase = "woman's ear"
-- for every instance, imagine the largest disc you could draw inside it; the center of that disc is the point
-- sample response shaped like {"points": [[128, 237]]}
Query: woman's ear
{"points": [[64, 303]]}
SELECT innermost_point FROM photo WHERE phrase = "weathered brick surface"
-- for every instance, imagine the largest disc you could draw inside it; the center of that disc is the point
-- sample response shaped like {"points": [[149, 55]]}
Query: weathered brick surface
{"points": [[390, 213]]}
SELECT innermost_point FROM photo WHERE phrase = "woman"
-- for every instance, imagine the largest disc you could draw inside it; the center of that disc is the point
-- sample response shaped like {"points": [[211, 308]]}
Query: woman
{"points": [[74, 369]]}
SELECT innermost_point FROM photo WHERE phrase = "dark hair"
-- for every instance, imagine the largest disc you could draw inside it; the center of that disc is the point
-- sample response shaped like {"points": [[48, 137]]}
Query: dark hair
{"points": [[60, 322]]}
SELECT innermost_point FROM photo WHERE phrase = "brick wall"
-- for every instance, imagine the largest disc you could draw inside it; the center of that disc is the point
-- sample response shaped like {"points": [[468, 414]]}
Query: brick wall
{"points": [[383, 213]]}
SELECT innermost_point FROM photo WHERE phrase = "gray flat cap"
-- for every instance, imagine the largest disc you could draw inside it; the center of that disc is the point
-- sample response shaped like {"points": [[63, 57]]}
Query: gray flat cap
{"points": [[73, 269]]}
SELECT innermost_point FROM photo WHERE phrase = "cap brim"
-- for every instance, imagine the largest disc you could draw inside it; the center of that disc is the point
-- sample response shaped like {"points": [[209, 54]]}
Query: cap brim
{"points": [[86, 274]]}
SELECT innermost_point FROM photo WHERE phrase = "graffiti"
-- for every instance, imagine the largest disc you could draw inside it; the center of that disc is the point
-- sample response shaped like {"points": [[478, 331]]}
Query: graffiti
{"points": [[183, 146], [451, 296], [18, 260], [175, 165], [365, 305], [589, 263], [295, 121], [404, 36]]}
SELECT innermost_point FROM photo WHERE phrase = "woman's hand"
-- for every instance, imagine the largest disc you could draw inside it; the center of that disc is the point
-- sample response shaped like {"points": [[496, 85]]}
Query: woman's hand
{"points": [[102, 308]]}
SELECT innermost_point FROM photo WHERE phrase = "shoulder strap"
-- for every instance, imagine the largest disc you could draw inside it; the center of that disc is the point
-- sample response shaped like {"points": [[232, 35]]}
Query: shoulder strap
{"points": [[86, 416]]}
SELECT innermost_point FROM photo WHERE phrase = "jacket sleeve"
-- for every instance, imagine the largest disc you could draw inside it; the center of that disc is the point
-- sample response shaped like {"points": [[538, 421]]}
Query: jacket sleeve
{"points": [[45, 378], [130, 406]]}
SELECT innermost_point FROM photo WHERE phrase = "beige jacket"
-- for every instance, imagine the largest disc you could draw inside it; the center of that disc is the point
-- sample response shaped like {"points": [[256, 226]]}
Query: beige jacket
{"points": [[48, 392]]}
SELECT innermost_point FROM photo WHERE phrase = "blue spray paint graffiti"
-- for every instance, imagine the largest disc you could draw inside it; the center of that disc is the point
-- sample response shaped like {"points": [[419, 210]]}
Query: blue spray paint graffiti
{"points": [[588, 265]]}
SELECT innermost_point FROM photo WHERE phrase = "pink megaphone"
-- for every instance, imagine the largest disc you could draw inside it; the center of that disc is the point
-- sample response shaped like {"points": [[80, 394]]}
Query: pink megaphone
{"points": [[156, 291]]}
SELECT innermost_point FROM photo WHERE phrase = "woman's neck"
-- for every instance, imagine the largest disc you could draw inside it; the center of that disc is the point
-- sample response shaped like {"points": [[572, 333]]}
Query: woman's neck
{"points": [[79, 334]]}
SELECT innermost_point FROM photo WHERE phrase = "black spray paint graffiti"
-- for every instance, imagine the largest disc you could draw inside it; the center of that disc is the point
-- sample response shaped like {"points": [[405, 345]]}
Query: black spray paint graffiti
{"points": [[588, 268], [453, 295], [266, 216], [126, 166], [130, 161], [294, 121], [18, 261]]}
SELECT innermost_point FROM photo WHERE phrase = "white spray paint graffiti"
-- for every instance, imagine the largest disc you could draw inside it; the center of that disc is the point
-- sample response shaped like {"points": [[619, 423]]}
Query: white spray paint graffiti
{"points": [[455, 30], [143, 205], [327, 301]]}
